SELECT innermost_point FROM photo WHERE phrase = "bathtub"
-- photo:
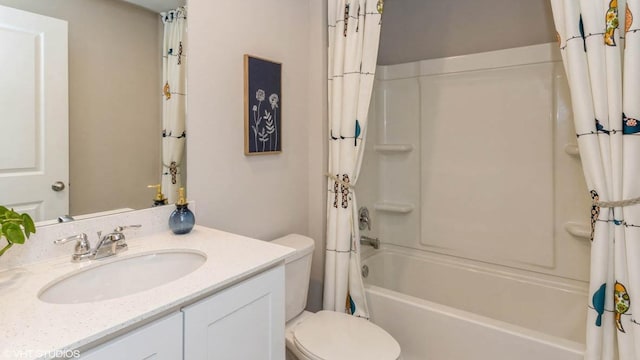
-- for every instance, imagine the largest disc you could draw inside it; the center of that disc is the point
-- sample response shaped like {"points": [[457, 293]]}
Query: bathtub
{"points": [[444, 308]]}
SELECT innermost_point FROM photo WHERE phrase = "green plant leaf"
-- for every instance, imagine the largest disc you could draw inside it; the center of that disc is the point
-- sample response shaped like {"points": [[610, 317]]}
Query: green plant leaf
{"points": [[13, 232], [29, 226], [12, 215], [15, 228]]}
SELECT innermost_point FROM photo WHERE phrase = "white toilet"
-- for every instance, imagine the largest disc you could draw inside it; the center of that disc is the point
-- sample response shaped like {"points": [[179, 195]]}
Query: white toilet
{"points": [[325, 335]]}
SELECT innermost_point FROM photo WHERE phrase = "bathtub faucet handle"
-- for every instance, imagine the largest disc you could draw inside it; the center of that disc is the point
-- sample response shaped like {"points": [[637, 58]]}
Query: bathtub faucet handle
{"points": [[364, 222]]}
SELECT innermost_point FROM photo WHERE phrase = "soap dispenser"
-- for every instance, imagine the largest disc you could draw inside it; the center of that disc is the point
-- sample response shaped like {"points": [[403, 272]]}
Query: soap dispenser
{"points": [[181, 220], [159, 199]]}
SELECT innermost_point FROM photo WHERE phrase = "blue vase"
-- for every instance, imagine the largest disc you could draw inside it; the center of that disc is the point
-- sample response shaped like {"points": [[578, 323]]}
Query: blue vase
{"points": [[181, 220]]}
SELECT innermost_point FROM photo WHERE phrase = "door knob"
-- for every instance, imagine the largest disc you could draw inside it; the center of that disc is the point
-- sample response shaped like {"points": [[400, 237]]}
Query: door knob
{"points": [[57, 186]]}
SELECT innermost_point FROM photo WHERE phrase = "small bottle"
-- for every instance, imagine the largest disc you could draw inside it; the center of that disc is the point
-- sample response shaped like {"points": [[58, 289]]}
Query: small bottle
{"points": [[181, 220], [159, 199]]}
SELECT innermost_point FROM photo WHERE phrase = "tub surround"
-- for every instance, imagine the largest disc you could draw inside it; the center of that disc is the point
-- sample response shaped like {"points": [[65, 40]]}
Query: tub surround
{"points": [[452, 299], [471, 217], [447, 171], [30, 324]]}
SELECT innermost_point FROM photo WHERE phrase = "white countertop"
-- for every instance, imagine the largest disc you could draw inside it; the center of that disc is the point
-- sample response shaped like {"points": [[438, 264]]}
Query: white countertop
{"points": [[31, 326]]}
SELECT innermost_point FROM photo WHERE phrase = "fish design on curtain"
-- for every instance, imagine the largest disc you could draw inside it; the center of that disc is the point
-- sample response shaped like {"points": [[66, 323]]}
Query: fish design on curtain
{"points": [[597, 300], [630, 125], [611, 19], [622, 303]]}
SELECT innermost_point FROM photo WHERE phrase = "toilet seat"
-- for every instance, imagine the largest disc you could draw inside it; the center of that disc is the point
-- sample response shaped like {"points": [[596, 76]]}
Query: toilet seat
{"points": [[329, 335]]}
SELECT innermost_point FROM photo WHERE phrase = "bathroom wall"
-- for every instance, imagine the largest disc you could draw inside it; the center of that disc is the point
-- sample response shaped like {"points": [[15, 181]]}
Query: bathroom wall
{"points": [[471, 157], [115, 72], [415, 30], [269, 195]]}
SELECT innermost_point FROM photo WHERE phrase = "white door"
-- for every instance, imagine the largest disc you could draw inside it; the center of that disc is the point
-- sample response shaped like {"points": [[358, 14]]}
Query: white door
{"points": [[34, 149]]}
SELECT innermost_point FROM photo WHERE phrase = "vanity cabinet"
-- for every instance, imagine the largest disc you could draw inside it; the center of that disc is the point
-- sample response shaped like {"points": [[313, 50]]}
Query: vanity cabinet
{"points": [[243, 322], [161, 339]]}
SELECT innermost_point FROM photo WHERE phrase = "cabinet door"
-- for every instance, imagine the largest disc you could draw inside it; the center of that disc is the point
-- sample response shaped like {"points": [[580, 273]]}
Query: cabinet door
{"points": [[159, 340], [243, 322]]}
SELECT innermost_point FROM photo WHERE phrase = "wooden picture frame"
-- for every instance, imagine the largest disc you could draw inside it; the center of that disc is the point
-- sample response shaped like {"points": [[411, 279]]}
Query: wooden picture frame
{"points": [[262, 106]]}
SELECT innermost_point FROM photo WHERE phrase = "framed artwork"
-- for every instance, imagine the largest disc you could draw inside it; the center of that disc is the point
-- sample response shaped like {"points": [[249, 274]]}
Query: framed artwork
{"points": [[262, 106]]}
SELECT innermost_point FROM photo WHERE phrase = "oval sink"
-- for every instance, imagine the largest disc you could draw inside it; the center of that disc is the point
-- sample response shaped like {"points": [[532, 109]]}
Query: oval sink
{"points": [[122, 277]]}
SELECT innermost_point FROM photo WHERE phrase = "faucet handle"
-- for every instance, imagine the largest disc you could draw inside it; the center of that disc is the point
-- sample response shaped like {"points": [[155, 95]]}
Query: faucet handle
{"points": [[122, 228], [364, 222], [82, 248], [81, 238]]}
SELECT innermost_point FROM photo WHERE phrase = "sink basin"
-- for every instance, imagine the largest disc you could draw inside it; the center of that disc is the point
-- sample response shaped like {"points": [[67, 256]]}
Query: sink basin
{"points": [[122, 277]]}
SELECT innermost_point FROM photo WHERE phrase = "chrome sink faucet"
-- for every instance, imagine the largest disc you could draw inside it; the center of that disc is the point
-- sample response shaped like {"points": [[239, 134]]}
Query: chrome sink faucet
{"points": [[108, 245]]}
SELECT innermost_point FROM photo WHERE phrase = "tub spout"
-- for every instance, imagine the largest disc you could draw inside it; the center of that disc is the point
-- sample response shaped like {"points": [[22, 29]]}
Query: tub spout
{"points": [[374, 242]]}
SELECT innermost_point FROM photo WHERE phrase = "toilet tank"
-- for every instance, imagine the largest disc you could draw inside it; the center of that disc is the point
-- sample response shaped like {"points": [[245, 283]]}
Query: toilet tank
{"points": [[297, 272]]}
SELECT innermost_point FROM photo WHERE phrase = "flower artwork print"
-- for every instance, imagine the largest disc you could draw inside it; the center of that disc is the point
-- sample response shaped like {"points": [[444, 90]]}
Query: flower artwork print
{"points": [[263, 106]]}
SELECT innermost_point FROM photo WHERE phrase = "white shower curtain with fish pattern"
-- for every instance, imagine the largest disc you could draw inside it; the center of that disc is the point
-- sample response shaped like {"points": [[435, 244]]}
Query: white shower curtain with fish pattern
{"points": [[354, 34], [174, 70], [600, 45]]}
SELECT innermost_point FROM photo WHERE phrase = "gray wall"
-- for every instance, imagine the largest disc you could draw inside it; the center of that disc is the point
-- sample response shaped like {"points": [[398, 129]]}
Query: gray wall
{"points": [[428, 29]]}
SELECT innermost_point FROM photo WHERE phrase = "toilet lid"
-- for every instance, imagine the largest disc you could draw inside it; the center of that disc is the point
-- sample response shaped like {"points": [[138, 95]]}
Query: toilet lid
{"points": [[329, 335]]}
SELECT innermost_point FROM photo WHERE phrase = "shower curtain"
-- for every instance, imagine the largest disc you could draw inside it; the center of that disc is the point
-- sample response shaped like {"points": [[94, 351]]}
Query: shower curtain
{"points": [[354, 33], [173, 102], [600, 45]]}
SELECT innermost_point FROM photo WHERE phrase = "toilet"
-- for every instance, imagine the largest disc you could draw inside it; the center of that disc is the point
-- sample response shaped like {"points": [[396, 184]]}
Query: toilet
{"points": [[325, 335]]}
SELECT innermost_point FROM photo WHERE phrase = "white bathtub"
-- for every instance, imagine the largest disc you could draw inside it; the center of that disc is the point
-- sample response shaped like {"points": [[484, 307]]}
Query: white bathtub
{"points": [[444, 308]]}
